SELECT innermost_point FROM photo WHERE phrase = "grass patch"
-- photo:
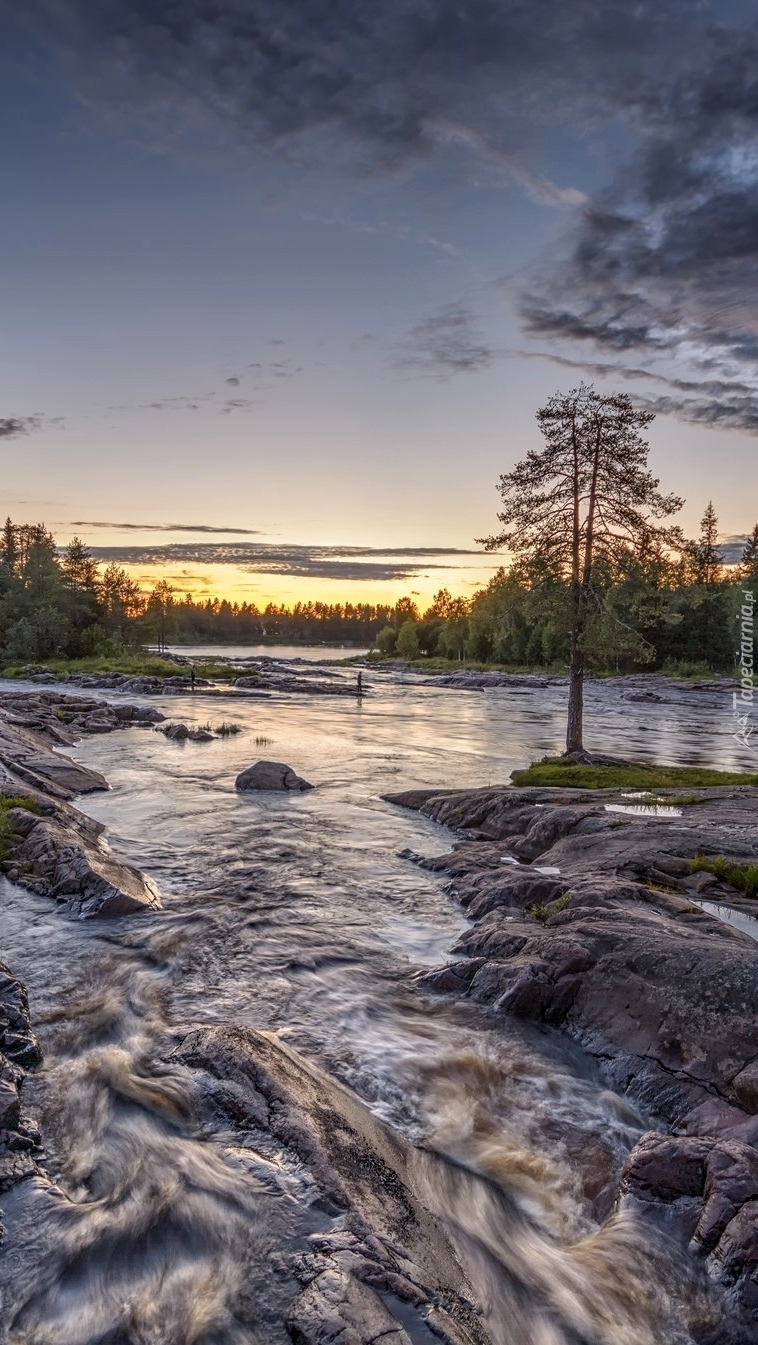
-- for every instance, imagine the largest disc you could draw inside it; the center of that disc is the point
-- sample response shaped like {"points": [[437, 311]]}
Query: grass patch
{"points": [[743, 877], [131, 665], [556, 771], [260, 741], [544, 911], [8, 801], [452, 665]]}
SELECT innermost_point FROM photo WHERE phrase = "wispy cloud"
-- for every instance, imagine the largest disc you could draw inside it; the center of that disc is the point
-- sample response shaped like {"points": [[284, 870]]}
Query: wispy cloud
{"points": [[236, 404], [446, 342], [13, 426], [663, 263], [379, 227], [348, 563], [165, 527]]}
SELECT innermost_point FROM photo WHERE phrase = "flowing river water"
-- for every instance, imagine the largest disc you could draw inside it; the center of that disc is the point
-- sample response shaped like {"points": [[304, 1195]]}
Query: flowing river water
{"points": [[295, 914]]}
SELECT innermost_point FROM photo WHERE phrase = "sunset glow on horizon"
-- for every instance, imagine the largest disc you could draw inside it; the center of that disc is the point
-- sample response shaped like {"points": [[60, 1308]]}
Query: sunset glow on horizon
{"points": [[319, 308]]}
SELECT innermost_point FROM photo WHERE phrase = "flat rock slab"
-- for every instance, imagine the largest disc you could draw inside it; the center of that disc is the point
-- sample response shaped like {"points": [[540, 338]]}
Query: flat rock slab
{"points": [[270, 775], [27, 758]]}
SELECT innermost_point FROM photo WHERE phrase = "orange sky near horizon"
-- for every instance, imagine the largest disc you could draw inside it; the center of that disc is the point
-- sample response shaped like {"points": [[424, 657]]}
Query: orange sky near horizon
{"points": [[236, 584]]}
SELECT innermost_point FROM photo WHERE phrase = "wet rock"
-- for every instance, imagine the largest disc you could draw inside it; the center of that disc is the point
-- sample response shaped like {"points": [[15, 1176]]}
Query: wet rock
{"points": [[667, 1167], [664, 994], [10, 1106], [176, 732], [17, 1041], [30, 762], [19, 1050], [270, 775], [58, 861], [731, 1181], [387, 1246], [706, 1191], [200, 736], [14, 1167], [745, 1085], [335, 1307], [54, 850]]}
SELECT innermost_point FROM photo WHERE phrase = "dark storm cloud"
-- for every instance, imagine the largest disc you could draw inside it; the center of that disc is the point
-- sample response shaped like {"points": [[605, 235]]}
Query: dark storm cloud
{"points": [[393, 79], [445, 343], [663, 263], [166, 527], [310, 562]]}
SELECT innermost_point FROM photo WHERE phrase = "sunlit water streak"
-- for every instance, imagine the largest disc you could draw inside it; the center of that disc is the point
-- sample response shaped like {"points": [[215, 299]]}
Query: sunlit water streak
{"points": [[294, 913]]}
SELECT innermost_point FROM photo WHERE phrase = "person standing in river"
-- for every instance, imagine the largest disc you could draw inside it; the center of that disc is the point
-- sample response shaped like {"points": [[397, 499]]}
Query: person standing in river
{"points": [[192, 676], [359, 688]]}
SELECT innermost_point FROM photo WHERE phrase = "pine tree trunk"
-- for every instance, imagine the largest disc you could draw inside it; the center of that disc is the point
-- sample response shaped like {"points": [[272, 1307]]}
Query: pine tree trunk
{"points": [[574, 725]]}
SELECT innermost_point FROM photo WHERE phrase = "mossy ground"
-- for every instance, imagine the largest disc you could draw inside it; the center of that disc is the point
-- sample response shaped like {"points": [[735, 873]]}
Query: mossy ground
{"points": [[556, 771], [743, 877], [8, 801]]}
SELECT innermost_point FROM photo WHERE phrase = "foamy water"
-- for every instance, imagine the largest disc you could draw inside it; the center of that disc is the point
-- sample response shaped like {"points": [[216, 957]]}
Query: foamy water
{"points": [[294, 913]]}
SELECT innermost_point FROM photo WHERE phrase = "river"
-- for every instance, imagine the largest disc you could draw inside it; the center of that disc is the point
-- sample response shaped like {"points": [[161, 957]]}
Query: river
{"points": [[296, 914]]}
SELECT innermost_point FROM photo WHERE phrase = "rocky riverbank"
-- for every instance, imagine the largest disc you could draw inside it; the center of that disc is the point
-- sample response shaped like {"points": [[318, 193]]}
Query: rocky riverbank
{"points": [[581, 918], [651, 687], [588, 919], [50, 848], [47, 845], [289, 679]]}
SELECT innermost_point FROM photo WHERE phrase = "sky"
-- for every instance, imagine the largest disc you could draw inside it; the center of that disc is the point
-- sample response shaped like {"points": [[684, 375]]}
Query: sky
{"points": [[284, 282]]}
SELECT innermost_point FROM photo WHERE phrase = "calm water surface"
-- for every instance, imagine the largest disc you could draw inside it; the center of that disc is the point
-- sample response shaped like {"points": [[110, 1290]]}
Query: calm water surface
{"points": [[314, 653], [295, 914]]}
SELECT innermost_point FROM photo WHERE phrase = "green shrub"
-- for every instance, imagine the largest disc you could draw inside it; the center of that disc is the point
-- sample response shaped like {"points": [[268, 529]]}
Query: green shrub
{"points": [[545, 911]]}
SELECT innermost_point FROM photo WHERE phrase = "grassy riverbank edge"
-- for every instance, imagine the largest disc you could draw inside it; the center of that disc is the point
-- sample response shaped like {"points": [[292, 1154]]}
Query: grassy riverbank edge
{"points": [[562, 772], [130, 665]]}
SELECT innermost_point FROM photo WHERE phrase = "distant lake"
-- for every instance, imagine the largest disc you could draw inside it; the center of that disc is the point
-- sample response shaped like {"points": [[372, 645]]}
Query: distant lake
{"points": [[314, 653]]}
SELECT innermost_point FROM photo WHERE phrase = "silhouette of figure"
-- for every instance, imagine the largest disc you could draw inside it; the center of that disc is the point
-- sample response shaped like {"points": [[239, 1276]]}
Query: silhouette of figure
{"points": [[360, 683], [192, 675]]}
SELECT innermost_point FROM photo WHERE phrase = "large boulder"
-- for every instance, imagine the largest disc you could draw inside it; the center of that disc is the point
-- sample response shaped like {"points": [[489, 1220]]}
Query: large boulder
{"points": [[270, 775]]}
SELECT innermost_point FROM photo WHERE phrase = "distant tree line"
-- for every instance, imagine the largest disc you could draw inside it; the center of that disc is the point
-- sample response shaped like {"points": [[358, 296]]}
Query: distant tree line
{"points": [[650, 608], [62, 604]]}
